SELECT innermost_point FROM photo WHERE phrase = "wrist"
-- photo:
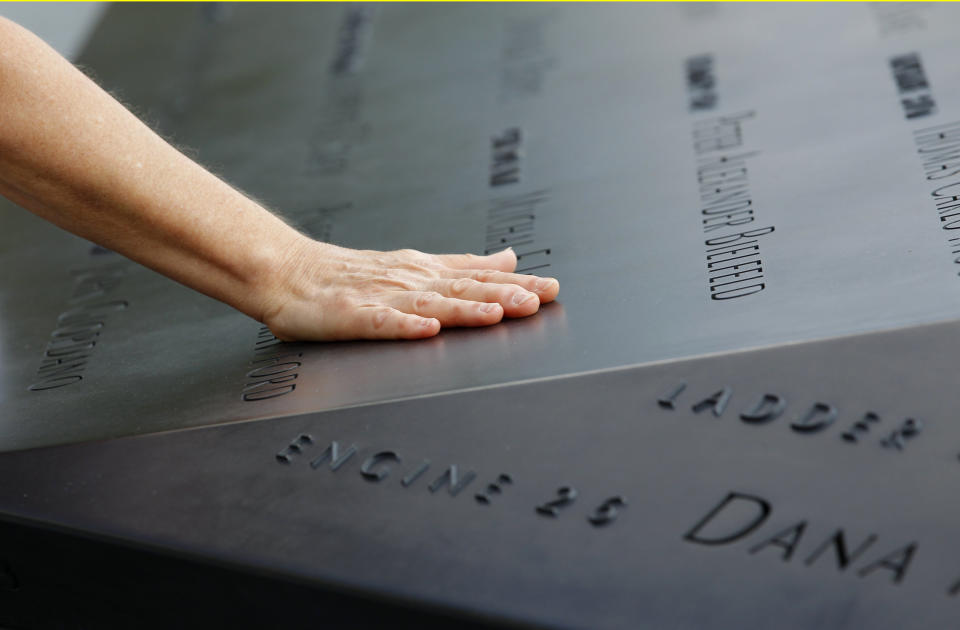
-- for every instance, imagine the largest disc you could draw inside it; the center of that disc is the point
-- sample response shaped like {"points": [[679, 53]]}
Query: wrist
{"points": [[283, 276]]}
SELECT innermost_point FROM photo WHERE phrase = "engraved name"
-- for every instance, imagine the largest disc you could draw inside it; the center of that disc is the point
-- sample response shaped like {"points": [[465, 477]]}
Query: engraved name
{"points": [[701, 83], [912, 85], [72, 342], [273, 370], [734, 266], [739, 516], [351, 39], [505, 157], [815, 417], [939, 149], [510, 223]]}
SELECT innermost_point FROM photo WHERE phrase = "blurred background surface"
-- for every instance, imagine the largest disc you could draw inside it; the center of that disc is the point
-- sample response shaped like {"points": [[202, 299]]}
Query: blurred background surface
{"points": [[64, 25]]}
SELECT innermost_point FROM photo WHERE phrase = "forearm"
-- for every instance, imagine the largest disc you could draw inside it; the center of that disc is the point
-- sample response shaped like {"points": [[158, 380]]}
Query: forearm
{"points": [[73, 155]]}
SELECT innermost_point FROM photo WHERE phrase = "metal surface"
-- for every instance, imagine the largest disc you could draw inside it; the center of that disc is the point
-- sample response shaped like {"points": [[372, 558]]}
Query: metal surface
{"points": [[394, 150], [406, 126], [220, 494]]}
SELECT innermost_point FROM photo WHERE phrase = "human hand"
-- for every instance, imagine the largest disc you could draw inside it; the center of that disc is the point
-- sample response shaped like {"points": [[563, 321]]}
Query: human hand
{"points": [[331, 293], [72, 154]]}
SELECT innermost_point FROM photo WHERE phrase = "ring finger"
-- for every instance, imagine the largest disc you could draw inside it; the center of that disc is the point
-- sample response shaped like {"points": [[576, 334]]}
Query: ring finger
{"points": [[545, 288], [516, 301], [450, 311]]}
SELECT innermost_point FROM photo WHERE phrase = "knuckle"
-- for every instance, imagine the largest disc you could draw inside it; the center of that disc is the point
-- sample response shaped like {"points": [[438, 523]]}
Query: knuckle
{"points": [[426, 299], [387, 276], [454, 261], [460, 286], [505, 295], [343, 302], [485, 275], [433, 263], [417, 269], [404, 284], [390, 279], [380, 317], [377, 259], [409, 255]]}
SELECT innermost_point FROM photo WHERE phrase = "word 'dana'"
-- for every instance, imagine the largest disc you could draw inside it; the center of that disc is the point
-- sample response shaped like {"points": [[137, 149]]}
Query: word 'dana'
{"points": [[740, 517], [815, 417]]}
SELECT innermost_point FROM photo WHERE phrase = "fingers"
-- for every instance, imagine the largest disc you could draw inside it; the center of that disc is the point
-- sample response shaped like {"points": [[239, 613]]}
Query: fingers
{"points": [[448, 311], [505, 260], [496, 269], [516, 301], [383, 322], [545, 288], [340, 294]]}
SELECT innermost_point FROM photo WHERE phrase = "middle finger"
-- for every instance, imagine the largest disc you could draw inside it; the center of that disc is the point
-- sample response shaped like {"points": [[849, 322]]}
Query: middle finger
{"points": [[545, 288], [516, 301]]}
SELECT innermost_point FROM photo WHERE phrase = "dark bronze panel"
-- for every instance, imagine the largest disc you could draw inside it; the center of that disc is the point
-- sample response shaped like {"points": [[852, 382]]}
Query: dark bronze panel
{"points": [[378, 127], [596, 501], [669, 445]]}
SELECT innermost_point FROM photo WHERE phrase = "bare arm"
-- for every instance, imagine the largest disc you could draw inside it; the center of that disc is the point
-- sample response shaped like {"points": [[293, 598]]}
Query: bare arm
{"points": [[75, 156]]}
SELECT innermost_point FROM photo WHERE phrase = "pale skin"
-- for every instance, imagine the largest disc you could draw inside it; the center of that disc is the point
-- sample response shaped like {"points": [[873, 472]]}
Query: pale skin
{"points": [[75, 156]]}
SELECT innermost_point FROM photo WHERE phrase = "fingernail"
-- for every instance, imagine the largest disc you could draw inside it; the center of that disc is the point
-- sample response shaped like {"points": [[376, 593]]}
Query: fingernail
{"points": [[488, 307], [545, 284], [508, 249], [521, 298]]}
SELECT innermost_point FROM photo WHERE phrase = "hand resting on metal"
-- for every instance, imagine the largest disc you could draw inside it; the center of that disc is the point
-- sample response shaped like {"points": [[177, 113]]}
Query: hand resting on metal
{"points": [[72, 154]]}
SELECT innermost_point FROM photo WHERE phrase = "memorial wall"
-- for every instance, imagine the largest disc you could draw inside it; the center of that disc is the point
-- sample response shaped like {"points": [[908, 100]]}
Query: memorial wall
{"points": [[740, 412]]}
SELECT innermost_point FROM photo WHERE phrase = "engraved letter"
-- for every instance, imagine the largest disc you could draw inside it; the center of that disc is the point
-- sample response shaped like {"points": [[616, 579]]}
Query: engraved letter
{"points": [[768, 408], [732, 238], [739, 292], [54, 383], [861, 426], [810, 423], [367, 470], [909, 429], [840, 545], [939, 191], [451, 477], [412, 477], [716, 402], [493, 488], [666, 401], [788, 539], [332, 453], [295, 447], [897, 561], [734, 532], [264, 394]]}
